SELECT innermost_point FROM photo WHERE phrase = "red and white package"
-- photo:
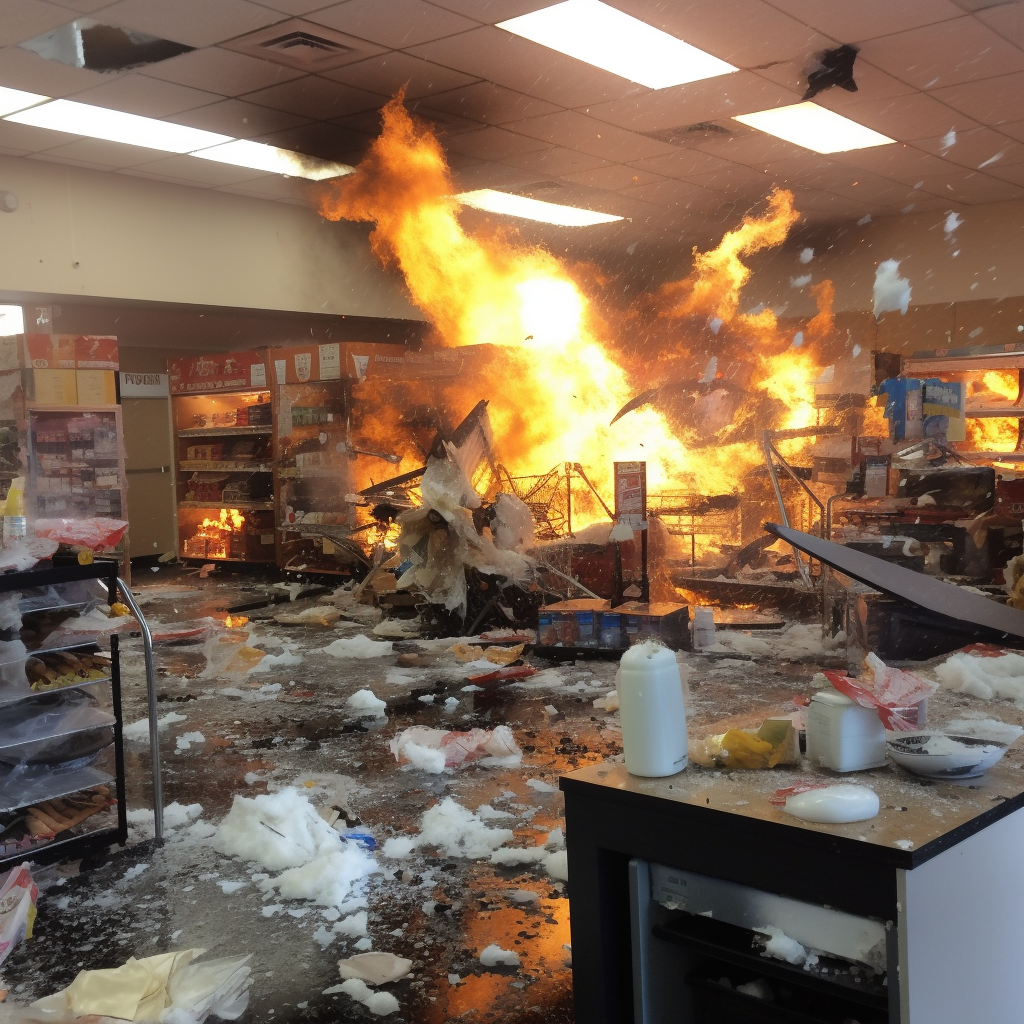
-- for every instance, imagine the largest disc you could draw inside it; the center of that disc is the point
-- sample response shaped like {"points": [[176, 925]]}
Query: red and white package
{"points": [[18, 895]]}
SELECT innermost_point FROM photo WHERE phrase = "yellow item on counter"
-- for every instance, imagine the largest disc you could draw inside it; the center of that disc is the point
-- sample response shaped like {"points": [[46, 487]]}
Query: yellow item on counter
{"points": [[774, 743], [15, 503]]}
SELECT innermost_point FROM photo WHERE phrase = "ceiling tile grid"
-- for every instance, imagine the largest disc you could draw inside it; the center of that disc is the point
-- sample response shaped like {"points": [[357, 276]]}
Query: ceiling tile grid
{"points": [[511, 112]]}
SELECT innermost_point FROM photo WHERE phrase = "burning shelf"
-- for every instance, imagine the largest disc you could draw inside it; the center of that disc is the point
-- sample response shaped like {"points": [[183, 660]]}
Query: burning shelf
{"points": [[224, 431], [267, 506]]}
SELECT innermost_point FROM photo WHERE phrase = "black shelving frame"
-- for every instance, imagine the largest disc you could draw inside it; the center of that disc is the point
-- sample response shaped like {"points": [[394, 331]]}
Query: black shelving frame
{"points": [[75, 846]]}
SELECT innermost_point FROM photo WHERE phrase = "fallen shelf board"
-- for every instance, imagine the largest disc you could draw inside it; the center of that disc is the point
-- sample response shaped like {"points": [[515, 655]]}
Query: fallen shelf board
{"points": [[925, 591]]}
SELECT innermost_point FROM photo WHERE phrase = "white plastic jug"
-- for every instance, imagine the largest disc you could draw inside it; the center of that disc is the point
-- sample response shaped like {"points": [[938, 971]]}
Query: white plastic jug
{"points": [[653, 711]]}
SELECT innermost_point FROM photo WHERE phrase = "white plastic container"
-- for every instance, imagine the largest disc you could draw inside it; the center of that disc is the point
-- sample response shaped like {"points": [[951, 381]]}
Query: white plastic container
{"points": [[652, 710], [842, 735], [703, 627]]}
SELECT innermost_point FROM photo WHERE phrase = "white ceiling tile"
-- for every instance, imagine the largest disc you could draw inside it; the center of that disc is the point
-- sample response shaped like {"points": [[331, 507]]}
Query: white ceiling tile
{"points": [[991, 101], [150, 97], [491, 104], [674, 193], [395, 23], [316, 97], [976, 148], [1013, 173], [490, 174], [969, 187], [491, 11], [681, 163], [8, 151], [70, 161], [589, 135], [193, 22], [138, 172], [239, 119], [109, 154], [733, 177], [1014, 129], [295, 8], [1007, 20], [749, 147], [710, 100], [903, 118], [23, 19], [516, 63], [719, 28], [274, 186], [902, 162], [867, 19], [614, 176], [82, 6], [32, 140], [387, 73], [555, 161], [949, 53], [191, 168], [22, 69], [493, 143], [221, 71]]}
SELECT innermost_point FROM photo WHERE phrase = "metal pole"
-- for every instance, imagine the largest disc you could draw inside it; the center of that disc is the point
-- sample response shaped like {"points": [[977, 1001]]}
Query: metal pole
{"points": [[766, 447], [154, 740]]}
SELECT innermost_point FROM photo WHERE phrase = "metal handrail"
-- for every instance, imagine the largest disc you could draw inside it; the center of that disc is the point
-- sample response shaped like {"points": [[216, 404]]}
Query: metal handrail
{"points": [[154, 739]]}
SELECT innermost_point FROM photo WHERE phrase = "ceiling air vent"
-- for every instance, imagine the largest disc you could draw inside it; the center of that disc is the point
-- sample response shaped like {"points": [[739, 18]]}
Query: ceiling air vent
{"points": [[690, 134], [302, 45]]}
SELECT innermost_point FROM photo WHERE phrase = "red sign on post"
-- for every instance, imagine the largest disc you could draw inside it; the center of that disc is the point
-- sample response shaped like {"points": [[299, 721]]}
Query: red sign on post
{"points": [[631, 494], [219, 371]]}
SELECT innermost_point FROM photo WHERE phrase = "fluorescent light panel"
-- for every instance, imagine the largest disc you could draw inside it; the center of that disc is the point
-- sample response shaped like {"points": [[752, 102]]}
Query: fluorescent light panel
{"points": [[12, 100], [117, 126], [814, 128], [607, 38], [261, 157], [533, 209]]}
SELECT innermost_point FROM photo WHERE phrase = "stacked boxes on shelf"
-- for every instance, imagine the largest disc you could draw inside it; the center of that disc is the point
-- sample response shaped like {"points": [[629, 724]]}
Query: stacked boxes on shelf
{"points": [[592, 624]]}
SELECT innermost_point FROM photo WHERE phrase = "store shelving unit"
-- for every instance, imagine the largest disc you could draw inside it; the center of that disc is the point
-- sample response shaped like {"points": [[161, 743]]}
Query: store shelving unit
{"points": [[76, 463], [225, 475], [60, 746]]}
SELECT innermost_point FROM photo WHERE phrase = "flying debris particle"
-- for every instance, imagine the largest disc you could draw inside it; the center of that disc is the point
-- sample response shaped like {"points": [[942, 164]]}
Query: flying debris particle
{"points": [[1020, 328], [919, 184], [948, 140], [798, 339], [953, 221], [866, 219], [856, 351], [800, 282], [806, 255], [891, 292], [956, 252], [992, 159], [715, 324], [975, 332], [630, 249], [907, 208]]}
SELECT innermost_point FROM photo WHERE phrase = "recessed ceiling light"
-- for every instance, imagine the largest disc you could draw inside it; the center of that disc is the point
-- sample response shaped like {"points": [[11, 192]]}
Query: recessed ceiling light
{"points": [[613, 41], [815, 128], [533, 209], [14, 99], [261, 157], [117, 126]]}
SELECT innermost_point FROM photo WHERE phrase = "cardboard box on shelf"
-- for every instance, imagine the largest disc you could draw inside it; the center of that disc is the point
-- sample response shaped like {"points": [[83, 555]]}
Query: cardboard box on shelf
{"points": [[55, 387], [96, 387]]}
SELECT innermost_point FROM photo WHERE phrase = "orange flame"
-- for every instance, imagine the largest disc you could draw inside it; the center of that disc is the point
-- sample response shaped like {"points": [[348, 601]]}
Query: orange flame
{"points": [[230, 521], [557, 385]]}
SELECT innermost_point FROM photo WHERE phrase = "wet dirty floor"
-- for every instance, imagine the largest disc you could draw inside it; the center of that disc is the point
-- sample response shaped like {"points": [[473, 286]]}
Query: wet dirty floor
{"points": [[236, 734]]}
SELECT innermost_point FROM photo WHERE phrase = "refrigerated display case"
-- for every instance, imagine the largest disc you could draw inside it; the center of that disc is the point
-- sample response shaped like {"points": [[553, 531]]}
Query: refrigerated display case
{"points": [[62, 780], [225, 475]]}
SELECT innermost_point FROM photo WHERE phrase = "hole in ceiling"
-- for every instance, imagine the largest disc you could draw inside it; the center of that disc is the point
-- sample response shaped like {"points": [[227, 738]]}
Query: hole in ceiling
{"points": [[688, 134], [86, 43]]}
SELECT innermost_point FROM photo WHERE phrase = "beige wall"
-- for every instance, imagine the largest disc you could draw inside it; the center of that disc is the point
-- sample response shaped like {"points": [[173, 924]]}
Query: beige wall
{"points": [[94, 233]]}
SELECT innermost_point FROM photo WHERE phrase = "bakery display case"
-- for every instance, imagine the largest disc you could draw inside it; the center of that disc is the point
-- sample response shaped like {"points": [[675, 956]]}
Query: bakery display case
{"points": [[61, 757]]}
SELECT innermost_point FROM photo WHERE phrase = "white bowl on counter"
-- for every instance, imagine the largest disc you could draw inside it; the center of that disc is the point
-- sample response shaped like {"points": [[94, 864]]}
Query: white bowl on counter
{"points": [[939, 755]]}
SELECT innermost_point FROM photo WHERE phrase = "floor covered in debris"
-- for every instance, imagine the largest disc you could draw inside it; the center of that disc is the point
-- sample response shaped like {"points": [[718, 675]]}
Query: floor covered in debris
{"points": [[227, 732]]}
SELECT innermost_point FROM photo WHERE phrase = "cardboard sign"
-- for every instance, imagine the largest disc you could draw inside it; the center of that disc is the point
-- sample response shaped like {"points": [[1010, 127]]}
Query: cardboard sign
{"points": [[144, 385], [95, 352], [96, 387], [71, 351], [631, 494], [218, 371]]}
